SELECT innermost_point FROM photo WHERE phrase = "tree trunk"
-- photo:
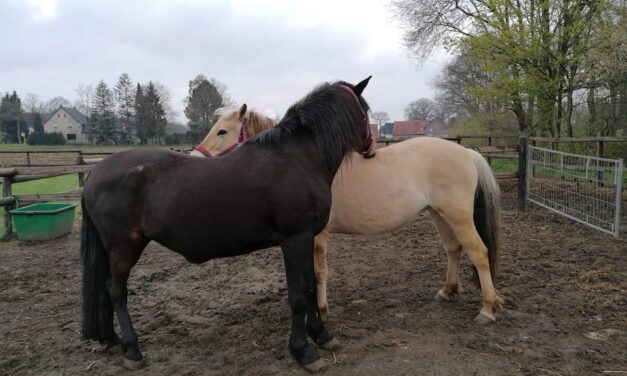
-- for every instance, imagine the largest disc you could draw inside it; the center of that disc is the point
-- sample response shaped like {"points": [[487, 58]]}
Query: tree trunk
{"points": [[569, 113], [592, 111]]}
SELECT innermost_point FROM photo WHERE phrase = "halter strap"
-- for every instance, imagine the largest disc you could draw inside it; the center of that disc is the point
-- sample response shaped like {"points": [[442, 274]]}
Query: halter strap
{"points": [[243, 136]]}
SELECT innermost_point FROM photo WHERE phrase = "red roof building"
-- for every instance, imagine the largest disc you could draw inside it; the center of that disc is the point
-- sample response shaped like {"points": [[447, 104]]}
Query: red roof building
{"points": [[406, 128], [375, 130]]}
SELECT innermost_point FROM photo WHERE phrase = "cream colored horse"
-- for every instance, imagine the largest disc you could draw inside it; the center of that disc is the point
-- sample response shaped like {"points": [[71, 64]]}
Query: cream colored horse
{"points": [[371, 196]]}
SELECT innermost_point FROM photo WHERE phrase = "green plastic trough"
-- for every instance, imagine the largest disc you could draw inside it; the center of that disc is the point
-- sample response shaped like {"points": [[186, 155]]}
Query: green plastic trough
{"points": [[43, 221]]}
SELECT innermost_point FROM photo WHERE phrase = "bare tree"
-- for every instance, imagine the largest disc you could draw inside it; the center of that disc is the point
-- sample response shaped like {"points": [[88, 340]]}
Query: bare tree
{"points": [[54, 103], [32, 103], [166, 100], [381, 117], [85, 99], [422, 109]]}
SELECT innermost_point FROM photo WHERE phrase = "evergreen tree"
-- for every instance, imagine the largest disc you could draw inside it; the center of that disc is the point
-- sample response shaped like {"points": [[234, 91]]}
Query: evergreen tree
{"points": [[103, 116], [154, 113], [11, 118], [203, 99], [38, 126], [125, 100], [140, 115]]}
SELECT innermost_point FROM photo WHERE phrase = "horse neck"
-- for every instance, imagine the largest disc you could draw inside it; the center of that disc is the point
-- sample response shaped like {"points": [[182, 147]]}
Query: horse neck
{"points": [[304, 147]]}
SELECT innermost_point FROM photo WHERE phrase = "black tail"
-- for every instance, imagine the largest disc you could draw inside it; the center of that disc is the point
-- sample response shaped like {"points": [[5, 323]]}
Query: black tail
{"points": [[487, 213], [97, 306]]}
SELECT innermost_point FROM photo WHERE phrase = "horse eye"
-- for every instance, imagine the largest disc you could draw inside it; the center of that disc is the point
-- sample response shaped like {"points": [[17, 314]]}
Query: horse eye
{"points": [[221, 132]]}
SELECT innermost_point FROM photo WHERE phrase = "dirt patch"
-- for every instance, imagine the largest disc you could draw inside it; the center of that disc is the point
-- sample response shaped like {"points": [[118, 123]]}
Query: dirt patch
{"points": [[565, 287]]}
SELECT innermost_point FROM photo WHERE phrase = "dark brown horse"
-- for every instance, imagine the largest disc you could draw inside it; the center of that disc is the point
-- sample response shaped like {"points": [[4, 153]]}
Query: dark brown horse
{"points": [[273, 190]]}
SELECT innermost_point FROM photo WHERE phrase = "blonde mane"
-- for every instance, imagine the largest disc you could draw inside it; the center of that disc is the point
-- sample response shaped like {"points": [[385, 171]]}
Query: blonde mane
{"points": [[257, 122]]}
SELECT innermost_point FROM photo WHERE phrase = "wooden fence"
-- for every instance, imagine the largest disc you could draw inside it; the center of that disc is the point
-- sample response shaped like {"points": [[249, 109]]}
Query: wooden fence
{"points": [[85, 160]]}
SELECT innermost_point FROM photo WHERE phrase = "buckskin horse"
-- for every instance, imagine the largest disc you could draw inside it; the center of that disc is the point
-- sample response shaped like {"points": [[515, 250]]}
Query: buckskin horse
{"points": [[370, 196], [273, 190]]}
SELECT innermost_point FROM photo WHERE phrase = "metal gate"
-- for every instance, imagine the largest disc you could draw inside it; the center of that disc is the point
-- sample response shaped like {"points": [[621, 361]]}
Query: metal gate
{"points": [[585, 189]]}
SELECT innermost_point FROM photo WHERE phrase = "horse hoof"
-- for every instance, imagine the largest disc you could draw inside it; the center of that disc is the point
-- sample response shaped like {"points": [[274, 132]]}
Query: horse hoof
{"points": [[442, 297], [133, 364], [115, 349], [316, 366], [484, 319], [332, 345], [324, 313]]}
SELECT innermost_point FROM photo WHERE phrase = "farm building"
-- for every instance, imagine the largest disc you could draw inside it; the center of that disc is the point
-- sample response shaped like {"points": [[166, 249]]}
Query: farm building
{"points": [[374, 129], [412, 128], [70, 122]]}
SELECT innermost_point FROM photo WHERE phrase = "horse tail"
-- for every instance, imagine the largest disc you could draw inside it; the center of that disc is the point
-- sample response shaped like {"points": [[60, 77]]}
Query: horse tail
{"points": [[487, 211], [97, 305]]}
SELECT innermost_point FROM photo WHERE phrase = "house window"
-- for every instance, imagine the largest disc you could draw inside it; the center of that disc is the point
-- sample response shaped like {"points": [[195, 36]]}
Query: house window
{"points": [[71, 137]]}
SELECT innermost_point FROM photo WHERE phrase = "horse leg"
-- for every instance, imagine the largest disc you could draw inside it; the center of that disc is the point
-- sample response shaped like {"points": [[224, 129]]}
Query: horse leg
{"points": [[298, 258], [462, 224], [322, 273], [452, 285], [315, 326], [121, 261]]}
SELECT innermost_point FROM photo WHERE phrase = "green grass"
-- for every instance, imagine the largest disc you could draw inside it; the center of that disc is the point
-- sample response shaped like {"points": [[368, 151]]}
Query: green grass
{"points": [[57, 184], [504, 165]]}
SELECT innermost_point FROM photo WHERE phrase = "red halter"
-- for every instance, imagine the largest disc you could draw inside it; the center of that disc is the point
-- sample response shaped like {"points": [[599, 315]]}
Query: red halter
{"points": [[243, 136]]}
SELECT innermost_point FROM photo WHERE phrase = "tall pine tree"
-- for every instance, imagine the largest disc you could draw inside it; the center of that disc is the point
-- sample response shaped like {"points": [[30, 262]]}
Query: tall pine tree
{"points": [[11, 122], [154, 114], [203, 99], [103, 115], [125, 100], [140, 115]]}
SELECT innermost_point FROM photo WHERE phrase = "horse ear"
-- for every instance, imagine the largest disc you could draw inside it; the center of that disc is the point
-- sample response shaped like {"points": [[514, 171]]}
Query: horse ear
{"points": [[242, 111], [359, 88]]}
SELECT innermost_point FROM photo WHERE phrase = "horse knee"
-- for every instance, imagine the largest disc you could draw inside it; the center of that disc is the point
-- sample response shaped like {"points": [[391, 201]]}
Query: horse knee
{"points": [[117, 292]]}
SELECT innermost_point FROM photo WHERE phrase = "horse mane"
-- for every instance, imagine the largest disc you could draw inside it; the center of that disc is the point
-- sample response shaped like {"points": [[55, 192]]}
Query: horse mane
{"points": [[331, 114], [257, 122]]}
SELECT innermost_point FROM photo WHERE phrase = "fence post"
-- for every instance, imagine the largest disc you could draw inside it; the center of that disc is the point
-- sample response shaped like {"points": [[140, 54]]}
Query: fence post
{"points": [[489, 144], [81, 175], [7, 192], [28, 158], [600, 155], [522, 172]]}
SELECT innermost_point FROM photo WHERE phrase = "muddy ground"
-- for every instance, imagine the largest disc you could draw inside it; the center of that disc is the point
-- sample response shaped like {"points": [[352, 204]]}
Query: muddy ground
{"points": [[565, 286]]}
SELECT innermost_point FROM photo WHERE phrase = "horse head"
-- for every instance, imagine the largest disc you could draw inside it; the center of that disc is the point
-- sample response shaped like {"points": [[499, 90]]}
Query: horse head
{"points": [[368, 149], [232, 128]]}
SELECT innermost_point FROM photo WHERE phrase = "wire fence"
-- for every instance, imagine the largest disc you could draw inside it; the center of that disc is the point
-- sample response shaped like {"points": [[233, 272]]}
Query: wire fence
{"points": [[585, 189]]}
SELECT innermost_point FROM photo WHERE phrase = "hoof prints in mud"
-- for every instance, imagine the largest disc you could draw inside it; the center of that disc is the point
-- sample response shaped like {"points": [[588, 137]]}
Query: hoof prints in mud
{"points": [[564, 286]]}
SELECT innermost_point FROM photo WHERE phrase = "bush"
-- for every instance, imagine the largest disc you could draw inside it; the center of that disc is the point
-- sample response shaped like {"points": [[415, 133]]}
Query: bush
{"points": [[41, 138], [177, 139]]}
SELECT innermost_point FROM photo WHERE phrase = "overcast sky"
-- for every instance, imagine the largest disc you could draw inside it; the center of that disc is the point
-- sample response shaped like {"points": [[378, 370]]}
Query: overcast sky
{"points": [[267, 53]]}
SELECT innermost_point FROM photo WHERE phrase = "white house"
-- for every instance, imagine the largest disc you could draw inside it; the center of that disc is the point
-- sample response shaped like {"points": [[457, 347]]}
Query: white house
{"points": [[70, 122]]}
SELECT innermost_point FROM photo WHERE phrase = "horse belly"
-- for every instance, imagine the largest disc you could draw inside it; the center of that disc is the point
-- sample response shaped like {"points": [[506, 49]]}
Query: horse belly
{"points": [[375, 213]]}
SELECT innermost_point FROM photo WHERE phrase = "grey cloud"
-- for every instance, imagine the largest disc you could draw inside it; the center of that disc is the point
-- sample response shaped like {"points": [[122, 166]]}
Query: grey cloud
{"points": [[265, 62]]}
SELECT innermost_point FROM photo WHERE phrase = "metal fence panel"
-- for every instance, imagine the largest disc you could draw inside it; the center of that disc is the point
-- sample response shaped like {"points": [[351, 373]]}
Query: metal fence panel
{"points": [[585, 189]]}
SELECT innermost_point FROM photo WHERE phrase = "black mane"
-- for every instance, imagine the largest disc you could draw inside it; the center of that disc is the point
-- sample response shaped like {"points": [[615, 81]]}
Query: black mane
{"points": [[331, 113]]}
